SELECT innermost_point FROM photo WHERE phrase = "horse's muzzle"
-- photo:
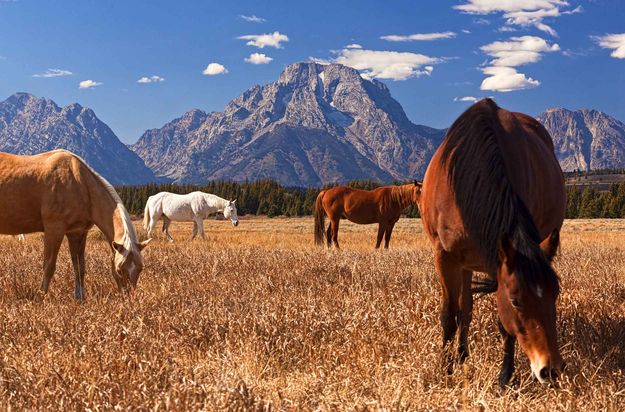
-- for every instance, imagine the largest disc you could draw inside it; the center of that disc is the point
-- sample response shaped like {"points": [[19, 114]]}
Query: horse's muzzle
{"points": [[235, 223]]}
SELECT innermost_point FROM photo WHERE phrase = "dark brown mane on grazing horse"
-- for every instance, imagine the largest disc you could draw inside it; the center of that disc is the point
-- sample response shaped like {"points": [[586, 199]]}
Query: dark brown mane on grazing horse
{"points": [[382, 205], [493, 201], [478, 176]]}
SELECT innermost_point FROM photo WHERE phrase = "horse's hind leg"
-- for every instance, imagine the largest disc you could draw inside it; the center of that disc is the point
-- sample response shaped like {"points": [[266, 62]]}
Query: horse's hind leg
{"points": [[335, 232], [450, 275], [77, 244], [329, 235], [52, 240], [200, 225]]}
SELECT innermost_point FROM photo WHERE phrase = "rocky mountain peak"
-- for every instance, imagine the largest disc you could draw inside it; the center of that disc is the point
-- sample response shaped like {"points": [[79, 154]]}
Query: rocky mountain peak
{"points": [[29, 125]]}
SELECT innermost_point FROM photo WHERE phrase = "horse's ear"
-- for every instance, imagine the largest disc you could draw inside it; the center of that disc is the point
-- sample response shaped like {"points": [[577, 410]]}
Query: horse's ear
{"points": [[418, 184], [143, 244], [551, 244], [234, 201], [506, 251], [118, 247]]}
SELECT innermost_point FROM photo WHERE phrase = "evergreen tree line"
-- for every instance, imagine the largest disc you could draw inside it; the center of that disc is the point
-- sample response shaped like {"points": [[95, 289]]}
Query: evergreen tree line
{"points": [[267, 197]]}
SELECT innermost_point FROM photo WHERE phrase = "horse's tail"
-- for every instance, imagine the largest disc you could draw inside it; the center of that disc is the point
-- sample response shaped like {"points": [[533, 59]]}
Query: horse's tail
{"points": [[320, 218], [146, 215]]}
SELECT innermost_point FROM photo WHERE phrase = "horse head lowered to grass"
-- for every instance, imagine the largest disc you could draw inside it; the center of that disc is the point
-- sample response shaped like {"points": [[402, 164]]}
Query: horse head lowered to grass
{"points": [[59, 194], [493, 201]]}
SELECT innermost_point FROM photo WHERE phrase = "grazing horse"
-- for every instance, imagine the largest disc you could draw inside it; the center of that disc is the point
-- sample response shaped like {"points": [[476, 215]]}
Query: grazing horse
{"points": [[58, 194], [192, 207], [493, 201], [382, 205]]}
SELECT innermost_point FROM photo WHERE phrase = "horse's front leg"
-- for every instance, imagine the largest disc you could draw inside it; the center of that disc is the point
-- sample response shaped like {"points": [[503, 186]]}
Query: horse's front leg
{"points": [[450, 275], [381, 229], [194, 230], [507, 366], [466, 314]]}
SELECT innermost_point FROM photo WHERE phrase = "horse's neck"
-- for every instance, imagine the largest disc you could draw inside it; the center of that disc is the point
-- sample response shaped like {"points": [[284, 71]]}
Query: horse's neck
{"points": [[216, 202], [107, 215]]}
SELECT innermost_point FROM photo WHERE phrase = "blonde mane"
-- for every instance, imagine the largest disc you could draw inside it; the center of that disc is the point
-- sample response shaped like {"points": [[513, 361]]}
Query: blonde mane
{"points": [[129, 239], [402, 195]]}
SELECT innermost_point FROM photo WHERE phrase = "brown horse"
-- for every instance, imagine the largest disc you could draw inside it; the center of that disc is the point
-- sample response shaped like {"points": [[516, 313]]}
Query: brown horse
{"points": [[493, 192], [58, 194], [382, 205]]}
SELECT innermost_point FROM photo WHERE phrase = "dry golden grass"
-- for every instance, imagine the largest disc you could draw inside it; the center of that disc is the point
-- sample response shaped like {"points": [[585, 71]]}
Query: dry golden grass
{"points": [[257, 317]]}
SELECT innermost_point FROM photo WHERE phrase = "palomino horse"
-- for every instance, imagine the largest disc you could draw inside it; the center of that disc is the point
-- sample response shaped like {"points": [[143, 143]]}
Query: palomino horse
{"points": [[192, 207], [492, 192], [58, 194], [382, 205]]}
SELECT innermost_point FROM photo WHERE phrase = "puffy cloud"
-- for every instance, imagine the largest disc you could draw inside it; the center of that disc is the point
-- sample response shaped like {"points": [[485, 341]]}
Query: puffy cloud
{"points": [[616, 42], [265, 40], [252, 19], [214, 69], [517, 51], [258, 58], [54, 73], [88, 84], [522, 13], [387, 64], [506, 79], [420, 37], [353, 46], [466, 99], [151, 79]]}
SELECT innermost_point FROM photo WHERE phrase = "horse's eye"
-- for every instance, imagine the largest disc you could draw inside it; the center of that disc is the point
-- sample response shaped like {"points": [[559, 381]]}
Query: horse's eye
{"points": [[515, 303]]}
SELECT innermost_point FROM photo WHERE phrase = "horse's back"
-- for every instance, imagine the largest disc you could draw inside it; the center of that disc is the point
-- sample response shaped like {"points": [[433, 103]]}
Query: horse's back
{"points": [[45, 187], [357, 205]]}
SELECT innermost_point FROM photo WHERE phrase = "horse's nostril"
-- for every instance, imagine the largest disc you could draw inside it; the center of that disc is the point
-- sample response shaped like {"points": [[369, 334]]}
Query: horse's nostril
{"points": [[544, 373]]}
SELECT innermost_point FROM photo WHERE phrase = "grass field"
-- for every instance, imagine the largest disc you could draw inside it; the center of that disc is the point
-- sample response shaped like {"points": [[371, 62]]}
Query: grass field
{"points": [[257, 317]]}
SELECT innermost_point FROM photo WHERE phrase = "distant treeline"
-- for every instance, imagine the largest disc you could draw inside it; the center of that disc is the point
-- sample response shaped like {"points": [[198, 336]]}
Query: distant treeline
{"points": [[262, 197], [266, 197]]}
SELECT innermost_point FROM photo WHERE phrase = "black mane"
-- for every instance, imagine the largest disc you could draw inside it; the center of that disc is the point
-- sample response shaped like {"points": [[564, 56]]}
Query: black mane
{"points": [[491, 210]]}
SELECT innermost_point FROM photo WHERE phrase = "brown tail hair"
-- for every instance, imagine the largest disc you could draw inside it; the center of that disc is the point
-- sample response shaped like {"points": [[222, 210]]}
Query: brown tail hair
{"points": [[320, 219]]}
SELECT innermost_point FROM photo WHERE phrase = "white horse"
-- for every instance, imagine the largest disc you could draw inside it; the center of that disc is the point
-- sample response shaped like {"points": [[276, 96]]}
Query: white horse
{"points": [[193, 207]]}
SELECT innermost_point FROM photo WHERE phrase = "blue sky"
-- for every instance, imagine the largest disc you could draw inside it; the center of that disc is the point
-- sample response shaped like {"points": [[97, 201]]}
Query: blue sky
{"points": [[545, 53]]}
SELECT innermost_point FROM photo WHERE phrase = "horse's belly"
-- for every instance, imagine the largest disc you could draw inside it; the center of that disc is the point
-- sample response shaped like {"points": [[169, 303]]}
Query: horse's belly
{"points": [[179, 214]]}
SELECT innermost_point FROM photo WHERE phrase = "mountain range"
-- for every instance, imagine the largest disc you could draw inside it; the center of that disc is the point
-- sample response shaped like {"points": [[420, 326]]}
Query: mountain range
{"points": [[316, 124], [30, 125]]}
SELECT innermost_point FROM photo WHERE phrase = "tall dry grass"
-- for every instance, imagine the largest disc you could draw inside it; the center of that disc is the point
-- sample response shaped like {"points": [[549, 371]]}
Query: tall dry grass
{"points": [[257, 317]]}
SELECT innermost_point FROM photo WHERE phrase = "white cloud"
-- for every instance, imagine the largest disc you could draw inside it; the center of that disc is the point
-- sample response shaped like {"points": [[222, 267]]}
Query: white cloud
{"points": [[214, 69], [506, 79], [88, 84], [252, 19], [466, 99], [265, 40], [319, 60], [258, 58], [465, 31], [353, 46], [522, 13], [387, 64], [54, 73], [151, 79], [616, 42], [518, 51], [420, 36]]}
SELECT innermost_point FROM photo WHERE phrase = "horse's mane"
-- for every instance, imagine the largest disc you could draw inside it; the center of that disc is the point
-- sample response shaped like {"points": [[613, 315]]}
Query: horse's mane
{"points": [[491, 210], [402, 195], [129, 239]]}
